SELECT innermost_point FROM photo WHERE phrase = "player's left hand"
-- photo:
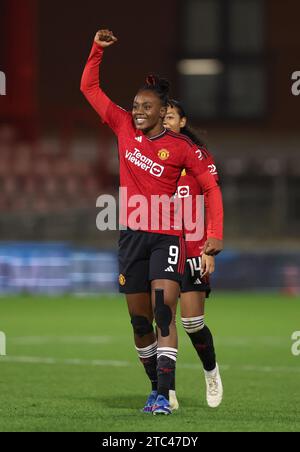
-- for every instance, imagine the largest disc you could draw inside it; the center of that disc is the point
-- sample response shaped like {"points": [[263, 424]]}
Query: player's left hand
{"points": [[213, 246], [207, 265]]}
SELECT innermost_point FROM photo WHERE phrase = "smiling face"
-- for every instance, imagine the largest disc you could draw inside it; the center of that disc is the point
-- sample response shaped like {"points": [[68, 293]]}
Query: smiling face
{"points": [[173, 121], [148, 113]]}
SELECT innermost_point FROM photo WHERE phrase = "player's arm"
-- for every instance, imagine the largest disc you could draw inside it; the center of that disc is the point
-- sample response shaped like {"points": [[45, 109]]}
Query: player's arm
{"points": [[90, 82], [212, 168], [214, 213], [208, 262], [213, 202]]}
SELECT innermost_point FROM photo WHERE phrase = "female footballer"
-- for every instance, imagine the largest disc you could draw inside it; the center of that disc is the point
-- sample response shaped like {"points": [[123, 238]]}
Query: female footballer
{"points": [[195, 286], [151, 253]]}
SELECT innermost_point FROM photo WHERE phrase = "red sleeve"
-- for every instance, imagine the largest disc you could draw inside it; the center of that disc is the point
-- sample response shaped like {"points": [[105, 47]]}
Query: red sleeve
{"points": [[197, 166], [111, 114], [211, 166], [193, 163], [214, 215]]}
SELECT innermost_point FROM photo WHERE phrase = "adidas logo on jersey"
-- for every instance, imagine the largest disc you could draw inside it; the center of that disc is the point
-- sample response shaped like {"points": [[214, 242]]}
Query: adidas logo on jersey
{"points": [[170, 269], [139, 139], [197, 282]]}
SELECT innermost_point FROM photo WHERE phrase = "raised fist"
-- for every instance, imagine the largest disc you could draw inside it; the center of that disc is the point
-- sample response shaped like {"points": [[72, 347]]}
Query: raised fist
{"points": [[105, 38]]}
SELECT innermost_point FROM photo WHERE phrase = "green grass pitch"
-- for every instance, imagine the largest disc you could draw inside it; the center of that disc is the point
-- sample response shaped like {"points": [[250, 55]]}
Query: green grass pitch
{"points": [[71, 366]]}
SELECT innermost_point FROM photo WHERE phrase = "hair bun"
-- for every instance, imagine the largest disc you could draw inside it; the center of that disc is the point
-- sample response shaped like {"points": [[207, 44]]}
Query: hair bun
{"points": [[154, 81], [151, 80]]}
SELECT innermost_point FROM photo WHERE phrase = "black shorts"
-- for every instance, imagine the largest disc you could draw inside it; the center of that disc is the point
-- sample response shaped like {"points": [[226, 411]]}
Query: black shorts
{"points": [[147, 256], [192, 280]]}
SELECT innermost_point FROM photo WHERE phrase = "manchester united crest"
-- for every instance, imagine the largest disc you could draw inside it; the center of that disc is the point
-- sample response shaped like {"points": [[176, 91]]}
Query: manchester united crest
{"points": [[122, 280], [163, 154]]}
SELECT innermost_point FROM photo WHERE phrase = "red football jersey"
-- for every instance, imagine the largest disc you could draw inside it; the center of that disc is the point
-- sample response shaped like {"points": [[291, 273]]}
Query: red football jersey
{"points": [[189, 187], [150, 167]]}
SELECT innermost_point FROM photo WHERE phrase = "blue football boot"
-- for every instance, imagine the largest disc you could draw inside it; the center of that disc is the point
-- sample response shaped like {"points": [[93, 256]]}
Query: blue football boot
{"points": [[150, 402], [161, 406]]}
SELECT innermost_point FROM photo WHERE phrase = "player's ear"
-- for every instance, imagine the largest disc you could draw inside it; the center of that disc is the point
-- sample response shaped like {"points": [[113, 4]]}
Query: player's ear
{"points": [[183, 122]]}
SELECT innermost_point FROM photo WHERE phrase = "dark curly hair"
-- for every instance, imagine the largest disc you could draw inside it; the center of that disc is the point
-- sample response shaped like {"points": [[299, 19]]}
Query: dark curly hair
{"points": [[187, 130], [159, 86]]}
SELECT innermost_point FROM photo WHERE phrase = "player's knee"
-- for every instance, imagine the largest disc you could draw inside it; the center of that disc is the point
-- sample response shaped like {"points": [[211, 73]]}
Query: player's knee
{"points": [[141, 326], [193, 324], [163, 313]]}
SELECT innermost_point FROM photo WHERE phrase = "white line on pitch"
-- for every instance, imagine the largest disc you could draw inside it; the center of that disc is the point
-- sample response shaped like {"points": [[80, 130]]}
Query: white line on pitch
{"points": [[38, 340], [268, 341], [112, 363], [74, 362]]}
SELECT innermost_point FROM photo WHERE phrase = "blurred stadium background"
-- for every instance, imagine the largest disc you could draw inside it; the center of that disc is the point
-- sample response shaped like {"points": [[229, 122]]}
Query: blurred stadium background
{"points": [[230, 61]]}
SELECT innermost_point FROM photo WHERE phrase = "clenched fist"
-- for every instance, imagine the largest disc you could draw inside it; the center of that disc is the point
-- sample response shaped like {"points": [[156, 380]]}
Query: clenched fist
{"points": [[105, 38]]}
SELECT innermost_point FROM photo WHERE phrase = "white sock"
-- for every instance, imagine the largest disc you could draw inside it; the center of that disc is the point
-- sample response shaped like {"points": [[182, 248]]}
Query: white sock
{"points": [[210, 373]]}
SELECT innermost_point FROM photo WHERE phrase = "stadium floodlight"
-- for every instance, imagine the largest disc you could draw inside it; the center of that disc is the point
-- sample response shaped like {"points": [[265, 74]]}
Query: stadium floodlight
{"points": [[200, 67]]}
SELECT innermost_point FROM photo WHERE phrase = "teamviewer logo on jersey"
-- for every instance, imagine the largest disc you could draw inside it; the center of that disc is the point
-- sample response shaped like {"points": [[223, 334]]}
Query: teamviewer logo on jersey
{"points": [[184, 191], [145, 163], [156, 170]]}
